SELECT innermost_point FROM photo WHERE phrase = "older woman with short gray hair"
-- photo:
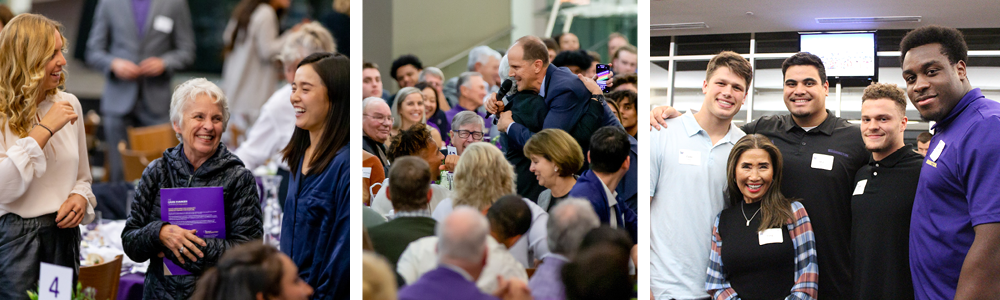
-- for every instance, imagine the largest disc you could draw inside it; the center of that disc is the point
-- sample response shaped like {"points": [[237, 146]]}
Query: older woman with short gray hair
{"points": [[199, 112]]}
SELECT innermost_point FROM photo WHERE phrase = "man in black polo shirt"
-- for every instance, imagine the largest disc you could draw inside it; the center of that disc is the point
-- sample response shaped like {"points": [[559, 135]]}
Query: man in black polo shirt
{"points": [[883, 198], [822, 153]]}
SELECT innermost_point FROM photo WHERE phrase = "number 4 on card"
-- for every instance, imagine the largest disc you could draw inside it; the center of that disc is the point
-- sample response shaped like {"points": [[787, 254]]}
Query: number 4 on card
{"points": [[55, 282]]}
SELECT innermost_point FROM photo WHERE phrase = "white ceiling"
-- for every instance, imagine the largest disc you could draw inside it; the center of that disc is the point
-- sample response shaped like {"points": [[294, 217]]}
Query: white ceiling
{"points": [[730, 16]]}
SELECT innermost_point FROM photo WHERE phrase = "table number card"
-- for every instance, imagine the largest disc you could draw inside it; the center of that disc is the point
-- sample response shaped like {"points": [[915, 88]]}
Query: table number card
{"points": [[55, 282]]}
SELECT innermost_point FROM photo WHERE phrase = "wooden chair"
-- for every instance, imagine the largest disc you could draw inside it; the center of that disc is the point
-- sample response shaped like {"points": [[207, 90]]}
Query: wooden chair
{"points": [[152, 138], [103, 277], [134, 162]]}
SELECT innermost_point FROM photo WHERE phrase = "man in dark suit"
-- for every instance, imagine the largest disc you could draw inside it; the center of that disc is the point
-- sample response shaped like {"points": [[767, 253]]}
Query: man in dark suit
{"points": [[138, 45], [462, 255], [410, 194], [567, 99], [609, 161]]}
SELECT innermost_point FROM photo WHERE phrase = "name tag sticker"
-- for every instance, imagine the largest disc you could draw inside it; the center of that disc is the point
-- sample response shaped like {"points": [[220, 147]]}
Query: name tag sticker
{"points": [[860, 188], [937, 151], [366, 172], [163, 24], [770, 236], [822, 161], [452, 150], [690, 157]]}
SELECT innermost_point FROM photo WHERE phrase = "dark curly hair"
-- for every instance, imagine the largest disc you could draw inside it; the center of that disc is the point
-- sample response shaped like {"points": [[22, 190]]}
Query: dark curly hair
{"points": [[410, 142], [952, 42], [408, 59]]}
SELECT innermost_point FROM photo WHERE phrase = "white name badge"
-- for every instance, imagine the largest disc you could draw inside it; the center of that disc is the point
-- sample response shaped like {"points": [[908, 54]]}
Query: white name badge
{"points": [[770, 236], [163, 24], [690, 157], [860, 188], [55, 282], [366, 172], [822, 161], [452, 150], [937, 151]]}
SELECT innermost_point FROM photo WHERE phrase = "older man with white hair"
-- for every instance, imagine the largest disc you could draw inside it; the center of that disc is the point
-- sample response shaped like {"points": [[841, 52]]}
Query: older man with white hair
{"points": [[376, 123], [462, 254], [483, 60], [569, 221], [471, 94]]}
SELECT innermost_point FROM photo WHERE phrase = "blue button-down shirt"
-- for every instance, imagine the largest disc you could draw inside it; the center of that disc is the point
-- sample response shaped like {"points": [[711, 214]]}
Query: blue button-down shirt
{"points": [[687, 180]]}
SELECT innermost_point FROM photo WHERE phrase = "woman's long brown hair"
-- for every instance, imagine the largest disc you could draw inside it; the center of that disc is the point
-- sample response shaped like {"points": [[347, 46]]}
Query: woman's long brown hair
{"points": [[775, 208], [333, 70]]}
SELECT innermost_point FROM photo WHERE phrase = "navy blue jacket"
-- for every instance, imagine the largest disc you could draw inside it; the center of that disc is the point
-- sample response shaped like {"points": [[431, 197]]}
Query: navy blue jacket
{"points": [[316, 229], [565, 95], [590, 187]]}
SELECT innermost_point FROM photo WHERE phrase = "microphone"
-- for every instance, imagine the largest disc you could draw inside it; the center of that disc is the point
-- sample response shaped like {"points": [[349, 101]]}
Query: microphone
{"points": [[504, 88]]}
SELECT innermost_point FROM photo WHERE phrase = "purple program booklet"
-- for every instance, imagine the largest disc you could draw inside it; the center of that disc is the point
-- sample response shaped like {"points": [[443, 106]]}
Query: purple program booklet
{"points": [[200, 208]]}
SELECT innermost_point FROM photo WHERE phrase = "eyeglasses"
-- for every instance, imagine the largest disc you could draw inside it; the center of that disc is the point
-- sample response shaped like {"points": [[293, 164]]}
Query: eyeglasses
{"points": [[476, 135], [380, 118]]}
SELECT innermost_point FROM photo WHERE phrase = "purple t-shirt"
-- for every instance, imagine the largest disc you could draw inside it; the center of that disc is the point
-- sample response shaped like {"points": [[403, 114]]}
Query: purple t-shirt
{"points": [[959, 188]]}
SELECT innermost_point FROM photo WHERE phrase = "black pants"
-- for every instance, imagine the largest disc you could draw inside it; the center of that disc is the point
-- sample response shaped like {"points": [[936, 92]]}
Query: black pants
{"points": [[24, 243]]}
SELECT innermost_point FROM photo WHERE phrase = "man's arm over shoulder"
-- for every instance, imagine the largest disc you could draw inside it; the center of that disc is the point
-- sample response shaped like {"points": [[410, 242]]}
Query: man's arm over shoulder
{"points": [[751, 127]]}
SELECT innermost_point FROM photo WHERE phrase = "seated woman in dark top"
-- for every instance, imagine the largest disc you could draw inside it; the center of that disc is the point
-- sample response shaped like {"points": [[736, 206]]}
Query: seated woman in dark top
{"points": [[773, 255], [555, 158], [435, 116]]}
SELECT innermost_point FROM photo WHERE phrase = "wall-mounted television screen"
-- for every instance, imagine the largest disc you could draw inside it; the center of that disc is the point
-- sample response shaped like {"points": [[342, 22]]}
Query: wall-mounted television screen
{"points": [[846, 55]]}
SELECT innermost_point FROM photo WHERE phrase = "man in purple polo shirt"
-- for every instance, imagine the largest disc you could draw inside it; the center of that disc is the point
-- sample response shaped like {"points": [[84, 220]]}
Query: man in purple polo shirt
{"points": [[955, 225], [471, 92]]}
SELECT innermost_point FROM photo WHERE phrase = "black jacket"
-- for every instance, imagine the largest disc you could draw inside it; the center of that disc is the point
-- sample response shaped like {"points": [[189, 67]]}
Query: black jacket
{"points": [[140, 237]]}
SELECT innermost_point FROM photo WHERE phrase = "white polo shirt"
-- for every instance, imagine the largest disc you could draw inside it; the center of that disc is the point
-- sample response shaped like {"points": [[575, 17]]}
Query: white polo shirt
{"points": [[688, 179]]}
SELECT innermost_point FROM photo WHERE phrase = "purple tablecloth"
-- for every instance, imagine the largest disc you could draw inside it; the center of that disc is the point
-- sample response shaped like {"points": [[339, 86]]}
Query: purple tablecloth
{"points": [[130, 287]]}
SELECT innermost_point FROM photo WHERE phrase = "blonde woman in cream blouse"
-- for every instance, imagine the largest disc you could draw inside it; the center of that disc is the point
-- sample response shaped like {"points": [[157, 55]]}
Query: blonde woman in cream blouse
{"points": [[44, 172]]}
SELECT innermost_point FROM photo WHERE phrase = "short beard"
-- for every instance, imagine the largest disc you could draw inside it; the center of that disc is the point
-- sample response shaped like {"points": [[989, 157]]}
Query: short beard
{"points": [[801, 115], [934, 116]]}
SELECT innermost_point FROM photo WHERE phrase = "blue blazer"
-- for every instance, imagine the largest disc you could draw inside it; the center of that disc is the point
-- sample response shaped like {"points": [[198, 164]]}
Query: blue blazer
{"points": [[589, 187], [564, 97], [316, 227], [443, 284]]}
